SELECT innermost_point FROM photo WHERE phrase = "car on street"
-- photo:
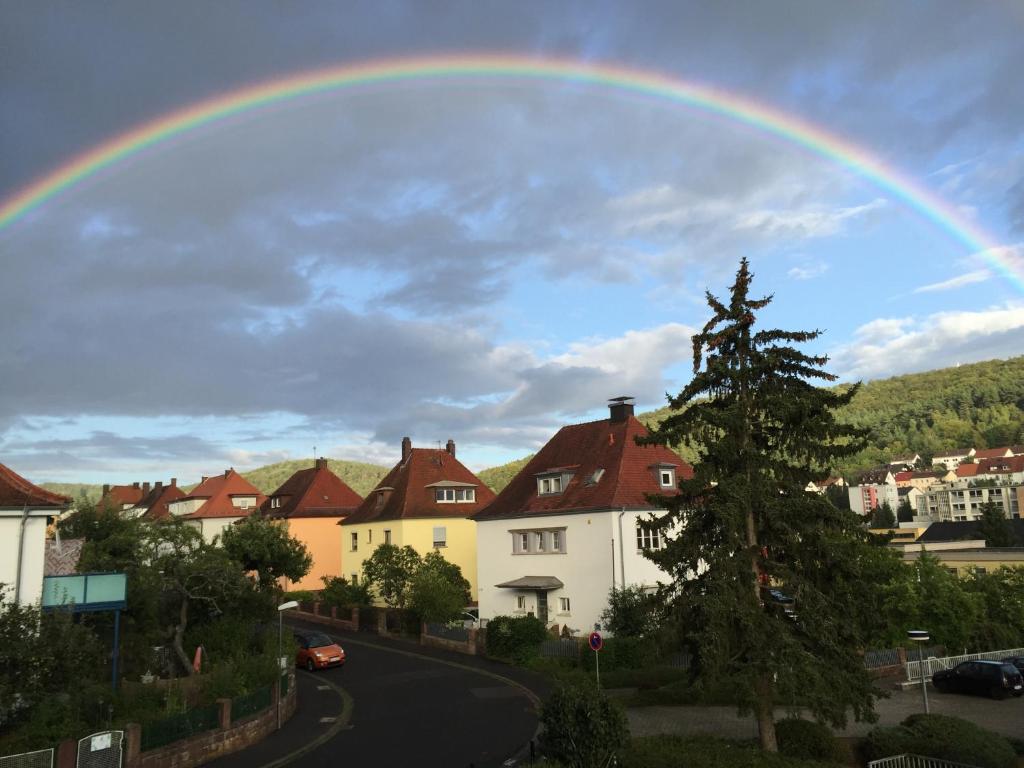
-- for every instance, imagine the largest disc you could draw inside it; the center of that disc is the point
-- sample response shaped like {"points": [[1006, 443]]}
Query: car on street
{"points": [[1017, 661], [997, 679], [317, 651]]}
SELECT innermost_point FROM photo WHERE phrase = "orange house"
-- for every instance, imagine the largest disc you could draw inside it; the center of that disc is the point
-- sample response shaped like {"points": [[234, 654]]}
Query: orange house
{"points": [[311, 503]]}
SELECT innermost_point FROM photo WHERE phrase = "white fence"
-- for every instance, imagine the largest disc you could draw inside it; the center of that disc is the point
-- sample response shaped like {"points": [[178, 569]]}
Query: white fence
{"points": [[42, 758], [915, 761], [931, 665]]}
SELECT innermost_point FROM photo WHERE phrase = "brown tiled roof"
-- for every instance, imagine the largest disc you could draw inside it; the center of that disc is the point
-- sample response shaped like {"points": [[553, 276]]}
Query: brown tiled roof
{"points": [[62, 559], [16, 491], [1000, 466], [218, 491], [630, 472], [120, 495], [991, 453], [954, 452], [154, 506], [903, 476], [967, 470], [412, 493], [313, 492]]}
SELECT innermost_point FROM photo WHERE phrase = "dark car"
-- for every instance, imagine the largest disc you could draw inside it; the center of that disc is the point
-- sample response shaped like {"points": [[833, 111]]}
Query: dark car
{"points": [[317, 651], [1017, 661], [990, 678]]}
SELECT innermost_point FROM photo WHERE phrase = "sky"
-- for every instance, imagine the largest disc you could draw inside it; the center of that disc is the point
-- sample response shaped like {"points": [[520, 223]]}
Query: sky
{"points": [[483, 259]]}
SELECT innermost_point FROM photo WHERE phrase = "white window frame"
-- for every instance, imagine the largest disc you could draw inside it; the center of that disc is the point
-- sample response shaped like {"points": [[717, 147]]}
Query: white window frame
{"points": [[667, 477], [539, 541], [354, 543], [648, 540], [521, 603], [549, 485], [440, 543], [564, 606]]}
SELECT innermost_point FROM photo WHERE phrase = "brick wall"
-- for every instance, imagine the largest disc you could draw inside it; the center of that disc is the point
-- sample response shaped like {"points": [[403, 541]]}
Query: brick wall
{"points": [[469, 647], [351, 624], [230, 737]]}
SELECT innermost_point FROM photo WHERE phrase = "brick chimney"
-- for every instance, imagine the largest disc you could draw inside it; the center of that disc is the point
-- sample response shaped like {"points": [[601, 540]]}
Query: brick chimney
{"points": [[320, 463], [158, 485], [174, 482], [450, 447], [406, 449], [228, 471], [106, 488], [135, 485], [621, 408], [145, 488], [205, 478]]}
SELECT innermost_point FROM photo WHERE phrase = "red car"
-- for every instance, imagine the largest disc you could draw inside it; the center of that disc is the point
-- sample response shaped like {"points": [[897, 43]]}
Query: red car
{"points": [[317, 651]]}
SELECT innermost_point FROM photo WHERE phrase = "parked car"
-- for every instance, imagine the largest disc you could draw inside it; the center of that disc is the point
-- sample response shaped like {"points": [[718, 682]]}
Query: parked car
{"points": [[317, 651], [997, 679], [1017, 661]]}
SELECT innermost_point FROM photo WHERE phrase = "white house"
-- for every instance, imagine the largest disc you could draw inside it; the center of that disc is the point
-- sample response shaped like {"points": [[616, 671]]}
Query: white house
{"points": [[216, 503], [25, 511], [876, 487], [565, 530]]}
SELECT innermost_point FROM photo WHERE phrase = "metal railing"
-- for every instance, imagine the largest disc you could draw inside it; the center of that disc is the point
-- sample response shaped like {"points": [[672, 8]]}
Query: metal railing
{"points": [[41, 758], [915, 761], [167, 730], [932, 664], [251, 703]]}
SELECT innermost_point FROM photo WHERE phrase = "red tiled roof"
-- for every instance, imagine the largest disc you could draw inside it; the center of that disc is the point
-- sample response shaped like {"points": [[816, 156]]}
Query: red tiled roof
{"points": [[967, 470], [991, 453], [120, 495], [155, 504], [903, 476], [629, 472], [411, 497], [313, 492], [16, 491], [218, 491], [1000, 465]]}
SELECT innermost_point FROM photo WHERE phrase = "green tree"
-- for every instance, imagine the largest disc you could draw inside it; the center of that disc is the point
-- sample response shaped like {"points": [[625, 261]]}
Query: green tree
{"points": [[632, 612], [437, 590], [339, 592], [904, 512], [839, 496], [582, 727], [1001, 602], [994, 527], [264, 547], [883, 517], [390, 569], [763, 431]]}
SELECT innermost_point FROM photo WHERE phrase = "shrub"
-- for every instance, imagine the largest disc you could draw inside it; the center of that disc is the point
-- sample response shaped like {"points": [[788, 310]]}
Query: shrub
{"points": [[582, 728], [807, 740], [703, 752], [301, 596], [339, 593], [516, 639], [943, 737]]}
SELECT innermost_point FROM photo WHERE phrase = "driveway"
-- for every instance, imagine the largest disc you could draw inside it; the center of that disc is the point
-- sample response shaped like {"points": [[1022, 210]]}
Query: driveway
{"points": [[1003, 717]]}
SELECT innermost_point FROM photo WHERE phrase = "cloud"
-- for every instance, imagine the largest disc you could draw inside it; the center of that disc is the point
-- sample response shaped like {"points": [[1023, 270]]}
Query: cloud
{"points": [[977, 276], [809, 272], [891, 346]]}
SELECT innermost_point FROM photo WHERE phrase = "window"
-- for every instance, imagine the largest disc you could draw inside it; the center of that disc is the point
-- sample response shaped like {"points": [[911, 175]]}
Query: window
{"points": [[440, 536], [542, 542], [387, 537], [648, 539], [524, 542], [520, 602], [563, 605], [549, 485], [539, 539], [380, 500], [369, 536], [556, 541], [455, 495], [667, 476], [275, 502], [354, 580], [355, 542]]}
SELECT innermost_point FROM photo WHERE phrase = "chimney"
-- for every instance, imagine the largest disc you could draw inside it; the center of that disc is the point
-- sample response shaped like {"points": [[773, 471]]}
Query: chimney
{"points": [[174, 482], [135, 485], [145, 488], [621, 408], [106, 488], [159, 484], [320, 463], [228, 471], [205, 478], [450, 447], [406, 449]]}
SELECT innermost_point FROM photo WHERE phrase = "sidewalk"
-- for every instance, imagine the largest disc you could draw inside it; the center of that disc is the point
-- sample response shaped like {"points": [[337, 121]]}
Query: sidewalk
{"points": [[300, 734]]}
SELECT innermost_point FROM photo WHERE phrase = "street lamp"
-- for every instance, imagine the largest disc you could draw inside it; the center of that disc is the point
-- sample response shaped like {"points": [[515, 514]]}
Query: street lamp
{"points": [[920, 636], [280, 647]]}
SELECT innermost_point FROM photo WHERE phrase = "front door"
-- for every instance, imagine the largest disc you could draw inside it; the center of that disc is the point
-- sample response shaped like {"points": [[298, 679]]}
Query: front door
{"points": [[542, 605]]}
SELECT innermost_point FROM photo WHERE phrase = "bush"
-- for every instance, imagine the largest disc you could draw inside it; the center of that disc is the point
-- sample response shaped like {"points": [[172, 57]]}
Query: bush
{"points": [[301, 596], [516, 639], [582, 728], [647, 678], [339, 593], [807, 740], [703, 752], [943, 737]]}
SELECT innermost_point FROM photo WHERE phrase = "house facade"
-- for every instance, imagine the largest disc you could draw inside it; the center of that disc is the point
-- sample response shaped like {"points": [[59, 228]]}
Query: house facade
{"points": [[427, 502], [25, 511], [566, 529], [155, 503], [876, 487], [216, 503], [311, 503]]}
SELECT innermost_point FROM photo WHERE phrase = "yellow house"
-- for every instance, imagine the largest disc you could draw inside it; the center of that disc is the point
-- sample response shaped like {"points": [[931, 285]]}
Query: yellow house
{"points": [[311, 503], [424, 502]]}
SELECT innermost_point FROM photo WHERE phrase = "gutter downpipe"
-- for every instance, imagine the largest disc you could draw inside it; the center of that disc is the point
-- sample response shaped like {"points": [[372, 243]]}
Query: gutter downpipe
{"points": [[613, 563], [21, 551], [622, 551]]}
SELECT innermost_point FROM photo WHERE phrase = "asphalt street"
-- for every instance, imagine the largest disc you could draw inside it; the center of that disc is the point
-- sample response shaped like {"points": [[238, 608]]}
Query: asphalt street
{"points": [[410, 706]]}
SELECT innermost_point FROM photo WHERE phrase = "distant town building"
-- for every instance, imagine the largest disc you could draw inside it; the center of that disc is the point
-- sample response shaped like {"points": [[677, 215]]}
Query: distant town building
{"points": [[217, 502]]}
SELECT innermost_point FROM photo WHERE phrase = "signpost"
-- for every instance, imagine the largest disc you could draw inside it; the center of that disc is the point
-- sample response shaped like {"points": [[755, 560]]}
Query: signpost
{"points": [[596, 644]]}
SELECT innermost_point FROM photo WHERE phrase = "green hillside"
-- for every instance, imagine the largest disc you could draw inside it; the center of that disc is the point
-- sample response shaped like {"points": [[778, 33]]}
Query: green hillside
{"points": [[360, 477], [496, 478]]}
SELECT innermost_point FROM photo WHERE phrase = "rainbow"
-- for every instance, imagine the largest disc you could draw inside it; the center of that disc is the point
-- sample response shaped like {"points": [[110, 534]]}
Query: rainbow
{"points": [[705, 98]]}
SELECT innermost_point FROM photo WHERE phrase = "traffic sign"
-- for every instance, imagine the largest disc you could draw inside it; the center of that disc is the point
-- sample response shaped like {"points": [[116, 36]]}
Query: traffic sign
{"points": [[596, 642]]}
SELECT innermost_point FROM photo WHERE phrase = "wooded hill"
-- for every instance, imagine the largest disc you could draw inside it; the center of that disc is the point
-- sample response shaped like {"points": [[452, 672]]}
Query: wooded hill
{"points": [[979, 405]]}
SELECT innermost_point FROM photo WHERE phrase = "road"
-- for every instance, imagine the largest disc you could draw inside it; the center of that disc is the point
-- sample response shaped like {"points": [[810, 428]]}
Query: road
{"points": [[411, 707]]}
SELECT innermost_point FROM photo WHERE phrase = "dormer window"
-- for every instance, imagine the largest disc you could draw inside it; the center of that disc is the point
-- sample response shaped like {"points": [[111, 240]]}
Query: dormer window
{"points": [[549, 485], [455, 495], [666, 474], [554, 481], [275, 503]]}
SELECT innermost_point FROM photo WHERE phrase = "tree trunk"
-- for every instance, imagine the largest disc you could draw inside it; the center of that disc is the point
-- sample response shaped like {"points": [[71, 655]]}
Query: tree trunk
{"points": [[765, 712], [179, 636]]}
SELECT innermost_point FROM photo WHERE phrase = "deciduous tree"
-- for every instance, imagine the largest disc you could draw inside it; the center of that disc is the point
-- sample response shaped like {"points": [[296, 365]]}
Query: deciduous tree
{"points": [[264, 547], [389, 569], [438, 591]]}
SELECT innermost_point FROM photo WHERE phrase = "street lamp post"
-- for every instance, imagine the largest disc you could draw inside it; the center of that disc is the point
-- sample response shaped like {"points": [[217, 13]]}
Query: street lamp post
{"points": [[280, 648], [920, 637]]}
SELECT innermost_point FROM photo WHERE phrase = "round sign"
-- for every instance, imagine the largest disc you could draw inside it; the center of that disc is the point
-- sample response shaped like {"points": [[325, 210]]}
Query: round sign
{"points": [[596, 643]]}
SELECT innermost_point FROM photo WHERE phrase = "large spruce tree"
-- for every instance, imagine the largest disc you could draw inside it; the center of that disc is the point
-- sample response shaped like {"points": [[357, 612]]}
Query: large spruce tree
{"points": [[744, 536]]}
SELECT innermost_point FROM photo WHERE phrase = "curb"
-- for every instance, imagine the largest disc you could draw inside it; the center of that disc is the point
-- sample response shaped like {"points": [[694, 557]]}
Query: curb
{"points": [[347, 706]]}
